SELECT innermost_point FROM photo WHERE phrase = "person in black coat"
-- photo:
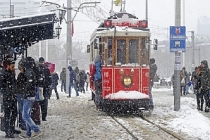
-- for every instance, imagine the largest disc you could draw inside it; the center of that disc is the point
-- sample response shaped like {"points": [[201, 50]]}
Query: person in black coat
{"points": [[205, 84], [153, 70], [20, 90], [29, 96], [8, 88], [83, 78], [55, 78], [44, 82]]}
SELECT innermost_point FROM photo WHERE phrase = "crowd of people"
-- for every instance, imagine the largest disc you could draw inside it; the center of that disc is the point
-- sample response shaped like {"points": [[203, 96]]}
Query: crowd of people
{"points": [[25, 95], [22, 92], [198, 83]]}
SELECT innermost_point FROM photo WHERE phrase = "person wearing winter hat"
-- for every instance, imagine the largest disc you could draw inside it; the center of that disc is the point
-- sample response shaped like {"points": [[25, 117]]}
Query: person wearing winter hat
{"points": [[41, 60], [29, 97]]}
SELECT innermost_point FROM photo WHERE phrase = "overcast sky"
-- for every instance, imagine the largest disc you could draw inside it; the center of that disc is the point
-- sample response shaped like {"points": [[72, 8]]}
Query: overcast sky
{"points": [[161, 15]]}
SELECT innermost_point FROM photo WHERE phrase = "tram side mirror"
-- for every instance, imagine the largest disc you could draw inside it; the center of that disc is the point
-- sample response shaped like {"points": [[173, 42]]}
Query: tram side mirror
{"points": [[88, 48], [155, 43], [96, 43]]}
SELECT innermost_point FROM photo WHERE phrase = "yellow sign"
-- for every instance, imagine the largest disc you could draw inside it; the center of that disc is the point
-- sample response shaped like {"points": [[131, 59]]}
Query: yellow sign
{"points": [[117, 2]]}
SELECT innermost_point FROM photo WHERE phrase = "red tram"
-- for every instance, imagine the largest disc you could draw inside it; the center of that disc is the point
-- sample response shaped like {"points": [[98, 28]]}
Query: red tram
{"points": [[123, 43]]}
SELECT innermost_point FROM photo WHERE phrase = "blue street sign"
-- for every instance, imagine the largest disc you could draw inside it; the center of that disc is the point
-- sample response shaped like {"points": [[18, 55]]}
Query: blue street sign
{"points": [[177, 38]]}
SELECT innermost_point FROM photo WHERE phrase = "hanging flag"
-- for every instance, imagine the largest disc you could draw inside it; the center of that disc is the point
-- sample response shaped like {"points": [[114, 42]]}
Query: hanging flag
{"points": [[117, 2], [72, 29]]}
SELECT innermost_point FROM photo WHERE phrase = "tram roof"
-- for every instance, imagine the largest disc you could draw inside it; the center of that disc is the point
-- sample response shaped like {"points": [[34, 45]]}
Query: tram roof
{"points": [[120, 32]]}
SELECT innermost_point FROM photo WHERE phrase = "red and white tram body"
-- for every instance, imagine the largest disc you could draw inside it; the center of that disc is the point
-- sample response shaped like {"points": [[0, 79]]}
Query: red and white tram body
{"points": [[122, 41]]}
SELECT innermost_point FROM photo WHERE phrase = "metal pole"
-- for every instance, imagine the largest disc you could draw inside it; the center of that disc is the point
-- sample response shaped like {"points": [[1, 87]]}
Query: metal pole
{"points": [[193, 49], [10, 9], [124, 6], [147, 11], [111, 12], [177, 59], [68, 43], [183, 18]]}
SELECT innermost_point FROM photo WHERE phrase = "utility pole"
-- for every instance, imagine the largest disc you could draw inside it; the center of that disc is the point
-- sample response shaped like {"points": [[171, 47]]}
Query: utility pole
{"points": [[177, 59], [147, 11], [68, 43], [183, 21], [11, 9], [193, 49]]}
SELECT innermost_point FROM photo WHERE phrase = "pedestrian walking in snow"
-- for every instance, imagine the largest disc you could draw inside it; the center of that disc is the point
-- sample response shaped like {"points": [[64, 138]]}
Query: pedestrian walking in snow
{"points": [[29, 97], [205, 84], [183, 78], [77, 78], [8, 88], [194, 79], [153, 70], [72, 81], [63, 80], [87, 80], [199, 95], [83, 77], [55, 78]]}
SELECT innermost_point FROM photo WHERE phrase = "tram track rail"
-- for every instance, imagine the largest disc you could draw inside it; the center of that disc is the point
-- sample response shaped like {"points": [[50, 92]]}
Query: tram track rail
{"points": [[164, 129], [135, 137]]}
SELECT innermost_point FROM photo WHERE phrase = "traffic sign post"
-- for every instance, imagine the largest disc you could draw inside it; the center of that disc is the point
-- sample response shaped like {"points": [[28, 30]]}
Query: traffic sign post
{"points": [[177, 38], [177, 45]]}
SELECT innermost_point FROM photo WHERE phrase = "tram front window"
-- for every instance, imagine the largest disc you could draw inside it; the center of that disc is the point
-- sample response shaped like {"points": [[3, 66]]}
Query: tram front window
{"points": [[121, 51], [133, 51]]}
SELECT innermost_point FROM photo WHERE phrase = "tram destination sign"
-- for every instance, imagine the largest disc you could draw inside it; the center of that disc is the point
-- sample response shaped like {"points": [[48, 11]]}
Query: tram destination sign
{"points": [[177, 38]]}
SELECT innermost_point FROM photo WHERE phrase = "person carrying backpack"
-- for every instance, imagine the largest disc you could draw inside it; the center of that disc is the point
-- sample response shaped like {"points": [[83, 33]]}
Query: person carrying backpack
{"points": [[44, 81]]}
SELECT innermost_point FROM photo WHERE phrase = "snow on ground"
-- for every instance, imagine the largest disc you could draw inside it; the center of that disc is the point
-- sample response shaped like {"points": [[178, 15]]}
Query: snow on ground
{"points": [[187, 120], [77, 119]]}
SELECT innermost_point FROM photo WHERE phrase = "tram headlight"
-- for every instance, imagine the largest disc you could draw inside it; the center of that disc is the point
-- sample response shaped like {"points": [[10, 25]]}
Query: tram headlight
{"points": [[127, 81]]}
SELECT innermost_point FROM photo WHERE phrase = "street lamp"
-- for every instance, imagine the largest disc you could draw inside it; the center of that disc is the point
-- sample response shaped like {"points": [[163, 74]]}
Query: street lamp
{"points": [[61, 15]]}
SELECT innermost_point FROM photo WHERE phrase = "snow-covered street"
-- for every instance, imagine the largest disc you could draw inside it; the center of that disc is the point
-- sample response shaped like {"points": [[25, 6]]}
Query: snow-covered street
{"points": [[76, 118]]}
